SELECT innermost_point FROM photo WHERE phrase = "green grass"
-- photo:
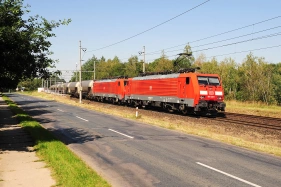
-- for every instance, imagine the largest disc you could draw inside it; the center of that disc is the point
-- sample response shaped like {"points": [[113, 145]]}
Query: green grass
{"points": [[67, 169]]}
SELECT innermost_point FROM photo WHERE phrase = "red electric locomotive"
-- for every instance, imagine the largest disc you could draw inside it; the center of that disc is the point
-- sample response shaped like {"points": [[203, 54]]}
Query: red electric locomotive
{"points": [[186, 91], [111, 90]]}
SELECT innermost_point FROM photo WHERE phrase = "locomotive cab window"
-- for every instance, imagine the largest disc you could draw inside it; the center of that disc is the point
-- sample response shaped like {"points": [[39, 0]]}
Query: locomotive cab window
{"points": [[118, 83], [203, 80], [214, 81], [187, 80]]}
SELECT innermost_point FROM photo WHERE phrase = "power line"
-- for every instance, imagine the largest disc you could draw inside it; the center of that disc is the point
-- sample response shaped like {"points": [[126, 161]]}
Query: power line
{"points": [[150, 28], [151, 53], [157, 52], [222, 40], [258, 38], [245, 51], [243, 41], [219, 34]]}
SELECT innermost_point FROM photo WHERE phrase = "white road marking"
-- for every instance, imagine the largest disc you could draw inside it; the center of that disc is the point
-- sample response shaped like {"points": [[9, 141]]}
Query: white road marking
{"points": [[81, 118], [229, 175], [121, 133], [60, 110]]}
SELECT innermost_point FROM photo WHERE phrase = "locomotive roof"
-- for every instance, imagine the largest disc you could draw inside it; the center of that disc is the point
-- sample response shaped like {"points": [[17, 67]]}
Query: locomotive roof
{"points": [[174, 75], [106, 80]]}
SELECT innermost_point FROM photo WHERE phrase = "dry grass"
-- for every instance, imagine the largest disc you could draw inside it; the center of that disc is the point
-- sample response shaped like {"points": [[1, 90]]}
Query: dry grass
{"points": [[234, 135], [258, 109]]}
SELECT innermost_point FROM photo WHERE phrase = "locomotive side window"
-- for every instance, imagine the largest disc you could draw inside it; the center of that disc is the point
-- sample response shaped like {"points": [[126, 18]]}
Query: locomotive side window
{"points": [[187, 80], [118, 83], [126, 83]]}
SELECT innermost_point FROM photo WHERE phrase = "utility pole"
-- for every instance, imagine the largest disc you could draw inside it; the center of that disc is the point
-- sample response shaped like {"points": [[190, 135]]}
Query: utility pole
{"points": [[76, 72], [94, 70], [47, 85], [80, 73], [143, 66]]}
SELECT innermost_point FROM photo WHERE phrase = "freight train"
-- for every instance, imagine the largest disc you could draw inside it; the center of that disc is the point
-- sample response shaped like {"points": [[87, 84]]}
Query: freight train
{"points": [[185, 91]]}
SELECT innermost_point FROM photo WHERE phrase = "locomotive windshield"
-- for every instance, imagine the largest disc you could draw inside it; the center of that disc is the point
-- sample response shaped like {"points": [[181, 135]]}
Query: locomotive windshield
{"points": [[214, 81]]}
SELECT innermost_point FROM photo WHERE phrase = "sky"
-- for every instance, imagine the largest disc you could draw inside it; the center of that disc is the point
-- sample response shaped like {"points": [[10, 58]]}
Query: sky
{"points": [[254, 24]]}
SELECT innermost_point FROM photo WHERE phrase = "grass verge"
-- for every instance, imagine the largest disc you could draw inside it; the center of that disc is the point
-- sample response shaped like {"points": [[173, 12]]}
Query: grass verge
{"points": [[67, 169], [258, 109]]}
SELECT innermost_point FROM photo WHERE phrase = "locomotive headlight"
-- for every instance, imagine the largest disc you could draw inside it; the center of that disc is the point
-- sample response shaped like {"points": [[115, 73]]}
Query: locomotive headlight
{"points": [[219, 98]]}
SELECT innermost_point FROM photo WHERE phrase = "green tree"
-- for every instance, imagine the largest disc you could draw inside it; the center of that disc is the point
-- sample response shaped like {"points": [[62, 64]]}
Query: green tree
{"points": [[24, 45], [256, 78], [276, 82], [210, 66], [133, 67], [228, 71], [88, 67], [162, 64], [30, 84], [116, 68]]}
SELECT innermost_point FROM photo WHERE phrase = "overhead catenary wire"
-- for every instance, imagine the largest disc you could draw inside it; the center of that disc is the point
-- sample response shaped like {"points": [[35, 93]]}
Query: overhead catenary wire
{"points": [[150, 28], [226, 32], [263, 21], [263, 48], [243, 41], [252, 39], [234, 43], [221, 40]]}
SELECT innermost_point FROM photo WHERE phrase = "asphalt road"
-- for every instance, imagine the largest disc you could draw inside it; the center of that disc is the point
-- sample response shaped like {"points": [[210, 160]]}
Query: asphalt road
{"points": [[128, 153]]}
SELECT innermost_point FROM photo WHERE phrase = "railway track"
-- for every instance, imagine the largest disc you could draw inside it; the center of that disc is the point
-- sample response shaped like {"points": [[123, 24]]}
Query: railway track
{"points": [[227, 117], [250, 120]]}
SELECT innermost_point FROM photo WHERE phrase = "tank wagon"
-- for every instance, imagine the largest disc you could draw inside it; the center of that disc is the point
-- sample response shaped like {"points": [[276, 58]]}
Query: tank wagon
{"points": [[53, 88], [73, 88], [87, 89]]}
